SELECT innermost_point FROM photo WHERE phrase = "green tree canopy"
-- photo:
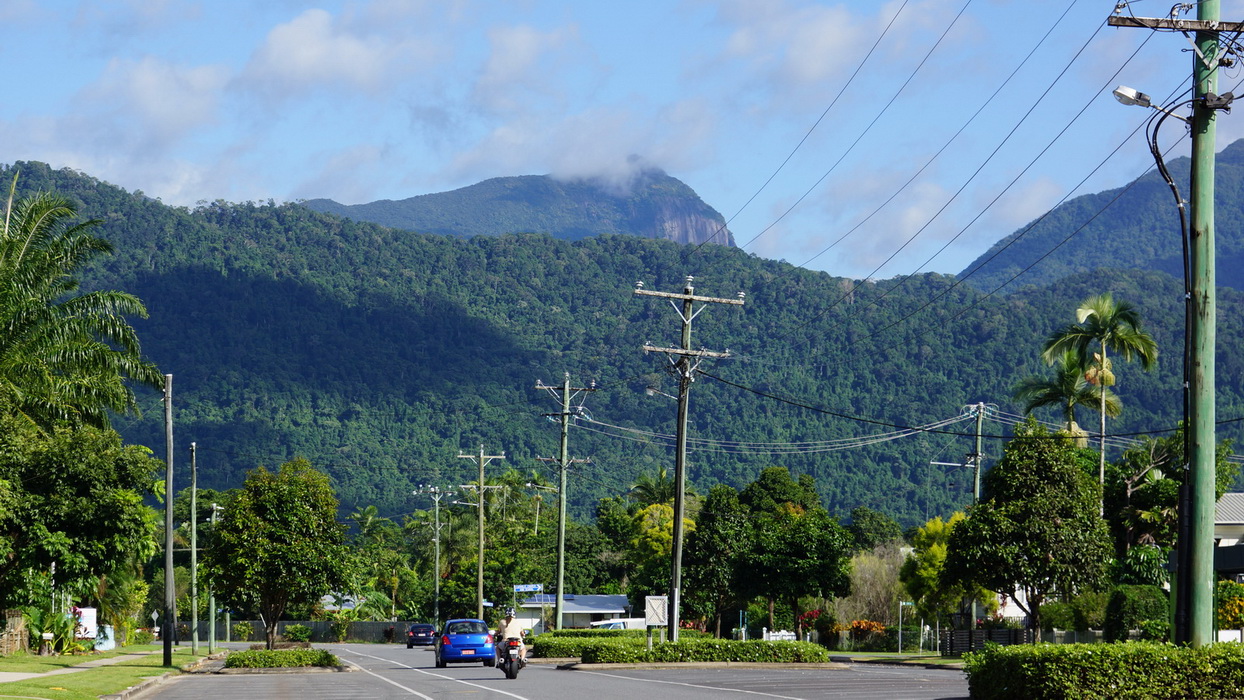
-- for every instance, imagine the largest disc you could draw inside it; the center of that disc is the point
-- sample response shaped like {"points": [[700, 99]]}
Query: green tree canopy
{"points": [[279, 543], [870, 528], [74, 501], [1037, 530]]}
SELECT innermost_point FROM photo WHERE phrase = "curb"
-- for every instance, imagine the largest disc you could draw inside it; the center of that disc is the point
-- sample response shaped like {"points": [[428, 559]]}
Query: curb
{"points": [[191, 667], [580, 666], [897, 662]]}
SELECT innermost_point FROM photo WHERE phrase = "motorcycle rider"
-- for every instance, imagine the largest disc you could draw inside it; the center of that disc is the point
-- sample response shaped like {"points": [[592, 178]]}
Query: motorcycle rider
{"points": [[509, 627]]}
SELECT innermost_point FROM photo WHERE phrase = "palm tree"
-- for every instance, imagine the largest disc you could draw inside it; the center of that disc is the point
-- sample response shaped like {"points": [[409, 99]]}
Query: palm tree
{"points": [[63, 356], [1109, 326], [1066, 389]]}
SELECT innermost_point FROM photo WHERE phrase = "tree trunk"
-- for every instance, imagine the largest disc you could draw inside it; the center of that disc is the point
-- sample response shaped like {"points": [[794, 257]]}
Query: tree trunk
{"points": [[770, 614]]}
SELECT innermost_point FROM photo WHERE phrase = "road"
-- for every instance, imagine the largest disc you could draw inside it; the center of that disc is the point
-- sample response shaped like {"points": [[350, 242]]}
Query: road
{"points": [[392, 671]]}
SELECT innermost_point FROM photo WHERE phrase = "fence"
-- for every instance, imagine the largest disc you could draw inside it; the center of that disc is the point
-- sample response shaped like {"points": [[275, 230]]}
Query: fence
{"points": [[14, 637], [959, 642], [321, 631]]}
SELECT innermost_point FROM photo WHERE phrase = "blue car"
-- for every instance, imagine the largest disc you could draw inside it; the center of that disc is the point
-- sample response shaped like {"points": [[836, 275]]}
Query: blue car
{"points": [[465, 641]]}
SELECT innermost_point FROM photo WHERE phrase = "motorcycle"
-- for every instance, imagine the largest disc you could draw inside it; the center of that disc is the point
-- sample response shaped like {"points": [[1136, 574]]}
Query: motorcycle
{"points": [[508, 659]]}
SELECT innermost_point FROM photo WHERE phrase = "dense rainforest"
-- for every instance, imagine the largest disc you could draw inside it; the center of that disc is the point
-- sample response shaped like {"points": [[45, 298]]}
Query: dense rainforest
{"points": [[381, 354]]}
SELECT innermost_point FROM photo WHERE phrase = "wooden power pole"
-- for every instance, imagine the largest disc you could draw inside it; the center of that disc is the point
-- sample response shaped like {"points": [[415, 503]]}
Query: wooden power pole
{"points": [[684, 367], [481, 460]]}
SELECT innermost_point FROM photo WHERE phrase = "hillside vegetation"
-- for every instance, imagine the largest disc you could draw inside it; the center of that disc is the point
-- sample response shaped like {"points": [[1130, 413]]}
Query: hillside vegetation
{"points": [[379, 354]]}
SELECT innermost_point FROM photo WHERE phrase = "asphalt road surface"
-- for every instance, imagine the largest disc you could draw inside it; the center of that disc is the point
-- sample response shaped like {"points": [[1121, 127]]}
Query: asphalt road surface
{"points": [[393, 671]]}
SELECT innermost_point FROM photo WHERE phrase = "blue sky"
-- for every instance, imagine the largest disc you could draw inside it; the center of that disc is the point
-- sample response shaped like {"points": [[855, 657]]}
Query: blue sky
{"points": [[387, 99]]}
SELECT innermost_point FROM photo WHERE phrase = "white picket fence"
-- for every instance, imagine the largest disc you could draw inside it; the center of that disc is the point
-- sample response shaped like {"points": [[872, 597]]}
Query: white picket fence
{"points": [[778, 635]]}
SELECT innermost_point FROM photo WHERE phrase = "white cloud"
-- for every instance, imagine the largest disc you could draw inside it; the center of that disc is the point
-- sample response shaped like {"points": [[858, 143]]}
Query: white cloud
{"points": [[317, 50], [520, 66], [152, 103]]}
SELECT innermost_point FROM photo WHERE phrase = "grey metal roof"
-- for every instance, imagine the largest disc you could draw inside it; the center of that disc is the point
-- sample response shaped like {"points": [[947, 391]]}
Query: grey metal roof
{"points": [[1230, 509], [584, 604]]}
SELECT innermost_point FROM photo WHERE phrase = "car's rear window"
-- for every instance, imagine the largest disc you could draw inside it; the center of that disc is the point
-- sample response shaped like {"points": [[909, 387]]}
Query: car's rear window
{"points": [[422, 628], [468, 628]]}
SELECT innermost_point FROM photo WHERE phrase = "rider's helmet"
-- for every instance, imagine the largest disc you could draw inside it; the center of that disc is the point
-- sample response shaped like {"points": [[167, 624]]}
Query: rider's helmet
{"points": [[509, 612]]}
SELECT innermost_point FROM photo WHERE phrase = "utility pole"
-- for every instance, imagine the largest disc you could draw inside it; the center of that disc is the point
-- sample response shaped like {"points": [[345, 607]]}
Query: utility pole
{"points": [[684, 367], [1197, 578], [166, 625], [563, 466], [211, 596], [194, 553], [479, 582], [437, 494]]}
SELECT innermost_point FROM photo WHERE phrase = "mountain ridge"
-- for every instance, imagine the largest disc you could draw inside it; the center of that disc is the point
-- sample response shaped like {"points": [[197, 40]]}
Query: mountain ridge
{"points": [[651, 205]]}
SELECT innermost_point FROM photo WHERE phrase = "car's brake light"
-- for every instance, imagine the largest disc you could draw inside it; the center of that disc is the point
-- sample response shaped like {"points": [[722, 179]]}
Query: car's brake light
{"points": [[445, 640], [488, 639]]}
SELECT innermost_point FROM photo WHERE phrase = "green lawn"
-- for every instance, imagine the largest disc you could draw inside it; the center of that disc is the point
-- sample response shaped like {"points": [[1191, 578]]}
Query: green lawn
{"points": [[89, 684]]}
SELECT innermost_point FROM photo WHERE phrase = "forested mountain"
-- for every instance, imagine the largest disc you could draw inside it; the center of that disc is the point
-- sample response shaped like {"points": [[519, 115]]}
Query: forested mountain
{"points": [[380, 354], [1135, 227], [652, 205]]}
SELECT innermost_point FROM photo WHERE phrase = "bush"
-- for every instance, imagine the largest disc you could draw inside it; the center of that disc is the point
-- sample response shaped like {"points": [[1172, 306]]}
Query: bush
{"points": [[339, 629], [284, 658], [140, 637], [707, 650], [1090, 609], [243, 631], [548, 646], [1058, 616], [1129, 607], [1230, 605], [297, 633], [1126, 670]]}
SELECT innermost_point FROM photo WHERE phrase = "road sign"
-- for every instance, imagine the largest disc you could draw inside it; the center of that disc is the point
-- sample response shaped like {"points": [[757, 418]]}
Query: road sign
{"points": [[528, 588], [656, 609]]}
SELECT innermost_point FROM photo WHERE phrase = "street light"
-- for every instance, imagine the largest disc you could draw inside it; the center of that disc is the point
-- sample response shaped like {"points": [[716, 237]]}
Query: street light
{"points": [[1194, 564]]}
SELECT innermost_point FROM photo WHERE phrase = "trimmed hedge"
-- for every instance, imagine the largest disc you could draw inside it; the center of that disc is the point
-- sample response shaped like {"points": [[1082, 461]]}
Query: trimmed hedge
{"points": [[548, 646], [708, 650], [1129, 669], [642, 634], [282, 658]]}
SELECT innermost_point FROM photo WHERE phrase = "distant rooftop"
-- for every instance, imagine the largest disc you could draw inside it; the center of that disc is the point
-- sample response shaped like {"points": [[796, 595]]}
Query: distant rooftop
{"points": [[583, 604]]}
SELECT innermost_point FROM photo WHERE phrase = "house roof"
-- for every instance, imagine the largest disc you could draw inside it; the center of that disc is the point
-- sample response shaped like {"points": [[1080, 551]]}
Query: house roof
{"points": [[582, 604], [1230, 509]]}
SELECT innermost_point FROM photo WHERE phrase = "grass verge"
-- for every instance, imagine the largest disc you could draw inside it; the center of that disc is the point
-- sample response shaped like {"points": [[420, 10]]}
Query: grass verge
{"points": [[91, 683]]}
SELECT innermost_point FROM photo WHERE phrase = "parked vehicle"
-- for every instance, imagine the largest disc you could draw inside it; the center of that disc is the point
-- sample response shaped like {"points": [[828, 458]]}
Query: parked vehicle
{"points": [[509, 656], [420, 634], [465, 641], [620, 623]]}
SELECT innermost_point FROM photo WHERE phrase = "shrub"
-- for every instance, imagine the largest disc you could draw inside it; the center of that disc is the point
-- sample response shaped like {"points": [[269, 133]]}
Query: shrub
{"points": [[1090, 609], [1230, 607], [339, 629], [140, 637], [284, 658], [243, 631], [708, 650], [298, 633], [1130, 606], [1126, 670], [548, 646], [1058, 616]]}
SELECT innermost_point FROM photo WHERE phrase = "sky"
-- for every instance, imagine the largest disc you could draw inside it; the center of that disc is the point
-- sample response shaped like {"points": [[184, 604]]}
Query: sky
{"points": [[866, 139]]}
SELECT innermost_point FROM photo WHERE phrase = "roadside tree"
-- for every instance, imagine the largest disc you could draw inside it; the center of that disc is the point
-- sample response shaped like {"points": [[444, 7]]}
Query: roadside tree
{"points": [[1036, 532], [279, 543]]}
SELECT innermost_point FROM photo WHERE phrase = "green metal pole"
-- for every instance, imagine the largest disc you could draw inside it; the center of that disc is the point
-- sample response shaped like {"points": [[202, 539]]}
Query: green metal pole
{"points": [[1201, 414], [194, 553], [561, 505]]}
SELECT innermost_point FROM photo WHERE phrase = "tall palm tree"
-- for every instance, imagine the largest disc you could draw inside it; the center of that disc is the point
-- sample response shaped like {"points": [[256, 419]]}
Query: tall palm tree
{"points": [[1108, 326], [64, 356], [1066, 389]]}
